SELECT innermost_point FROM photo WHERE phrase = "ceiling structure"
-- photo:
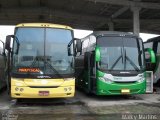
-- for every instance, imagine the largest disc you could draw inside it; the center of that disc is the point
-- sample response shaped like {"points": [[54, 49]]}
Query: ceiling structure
{"points": [[83, 14]]}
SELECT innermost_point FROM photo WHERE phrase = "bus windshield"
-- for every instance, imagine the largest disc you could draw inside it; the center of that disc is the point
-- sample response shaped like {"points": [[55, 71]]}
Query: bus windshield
{"points": [[121, 53], [43, 51]]}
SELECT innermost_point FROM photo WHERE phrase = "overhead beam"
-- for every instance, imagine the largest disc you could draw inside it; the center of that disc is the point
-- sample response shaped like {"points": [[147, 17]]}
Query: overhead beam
{"points": [[27, 12], [86, 27], [47, 12], [147, 5], [119, 12], [113, 16], [120, 21]]}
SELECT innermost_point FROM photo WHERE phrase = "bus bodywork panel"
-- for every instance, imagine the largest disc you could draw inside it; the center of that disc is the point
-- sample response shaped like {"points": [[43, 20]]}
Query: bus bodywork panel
{"points": [[42, 67], [117, 87], [111, 63], [31, 88], [43, 25]]}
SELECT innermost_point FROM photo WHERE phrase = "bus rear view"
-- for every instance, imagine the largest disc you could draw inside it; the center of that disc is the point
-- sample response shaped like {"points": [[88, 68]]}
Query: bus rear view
{"points": [[39, 65]]}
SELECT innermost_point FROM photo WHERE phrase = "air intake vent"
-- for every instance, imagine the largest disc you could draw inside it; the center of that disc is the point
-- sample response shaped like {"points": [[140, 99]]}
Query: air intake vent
{"points": [[127, 82], [43, 86]]}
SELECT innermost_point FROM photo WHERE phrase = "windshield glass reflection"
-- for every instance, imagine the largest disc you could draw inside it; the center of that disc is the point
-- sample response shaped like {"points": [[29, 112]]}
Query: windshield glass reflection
{"points": [[45, 49]]}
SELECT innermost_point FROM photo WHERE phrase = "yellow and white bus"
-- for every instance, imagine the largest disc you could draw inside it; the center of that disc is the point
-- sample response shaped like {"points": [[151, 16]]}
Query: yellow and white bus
{"points": [[41, 61]]}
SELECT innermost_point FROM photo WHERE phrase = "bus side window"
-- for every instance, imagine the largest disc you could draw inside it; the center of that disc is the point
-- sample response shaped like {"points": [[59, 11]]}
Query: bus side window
{"points": [[158, 48], [148, 45], [2, 48], [153, 45], [92, 42], [85, 44]]}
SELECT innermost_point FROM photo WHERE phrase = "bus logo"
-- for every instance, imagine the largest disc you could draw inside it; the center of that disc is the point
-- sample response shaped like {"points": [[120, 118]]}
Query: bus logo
{"points": [[32, 70]]}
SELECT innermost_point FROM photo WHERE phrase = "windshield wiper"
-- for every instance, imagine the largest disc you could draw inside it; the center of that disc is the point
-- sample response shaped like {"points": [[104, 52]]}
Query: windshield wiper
{"points": [[37, 59], [34, 62], [57, 73], [117, 61], [131, 62]]}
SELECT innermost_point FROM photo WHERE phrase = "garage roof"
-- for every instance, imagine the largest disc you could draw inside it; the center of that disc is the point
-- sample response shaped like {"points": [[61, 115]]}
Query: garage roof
{"points": [[83, 14]]}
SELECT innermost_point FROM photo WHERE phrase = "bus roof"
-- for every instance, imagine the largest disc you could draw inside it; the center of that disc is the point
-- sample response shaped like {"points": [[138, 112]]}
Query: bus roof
{"points": [[153, 39], [44, 25], [112, 33]]}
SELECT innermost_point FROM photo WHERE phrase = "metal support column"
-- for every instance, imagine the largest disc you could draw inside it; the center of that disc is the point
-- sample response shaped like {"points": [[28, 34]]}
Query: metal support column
{"points": [[136, 20], [111, 26]]}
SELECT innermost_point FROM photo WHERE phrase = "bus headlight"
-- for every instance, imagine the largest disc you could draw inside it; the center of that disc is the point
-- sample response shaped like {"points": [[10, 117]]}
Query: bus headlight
{"points": [[67, 89], [141, 80], [16, 89], [105, 80], [21, 89]]}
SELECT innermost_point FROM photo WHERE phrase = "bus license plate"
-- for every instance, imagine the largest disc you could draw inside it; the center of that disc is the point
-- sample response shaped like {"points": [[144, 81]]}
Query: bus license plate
{"points": [[125, 91], [43, 93]]}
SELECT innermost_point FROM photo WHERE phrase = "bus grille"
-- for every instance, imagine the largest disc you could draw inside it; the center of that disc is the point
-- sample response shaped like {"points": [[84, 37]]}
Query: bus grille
{"points": [[127, 82], [43, 86]]}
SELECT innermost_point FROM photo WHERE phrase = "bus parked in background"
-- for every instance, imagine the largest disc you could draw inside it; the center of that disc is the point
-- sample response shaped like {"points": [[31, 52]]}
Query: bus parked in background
{"points": [[154, 43], [2, 66], [112, 63], [41, 61]]}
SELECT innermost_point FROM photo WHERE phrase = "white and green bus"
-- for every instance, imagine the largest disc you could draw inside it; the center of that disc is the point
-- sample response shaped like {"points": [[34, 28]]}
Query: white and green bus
{"points": [[112, 63], [154, 43]]}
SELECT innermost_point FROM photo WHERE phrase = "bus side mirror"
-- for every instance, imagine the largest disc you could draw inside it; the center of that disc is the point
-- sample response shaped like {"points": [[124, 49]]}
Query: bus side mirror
{"points": [[97, 54], [8, 42], [78, 46], [150, 55]]}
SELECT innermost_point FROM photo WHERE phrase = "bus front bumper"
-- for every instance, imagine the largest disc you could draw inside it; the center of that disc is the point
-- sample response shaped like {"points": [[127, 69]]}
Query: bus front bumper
{"points": [[120, 88], [28, 92]]}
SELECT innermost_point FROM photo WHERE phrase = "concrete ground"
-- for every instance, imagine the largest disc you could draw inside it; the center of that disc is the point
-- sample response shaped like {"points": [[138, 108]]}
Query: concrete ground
{"points": [[82, 107]]}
